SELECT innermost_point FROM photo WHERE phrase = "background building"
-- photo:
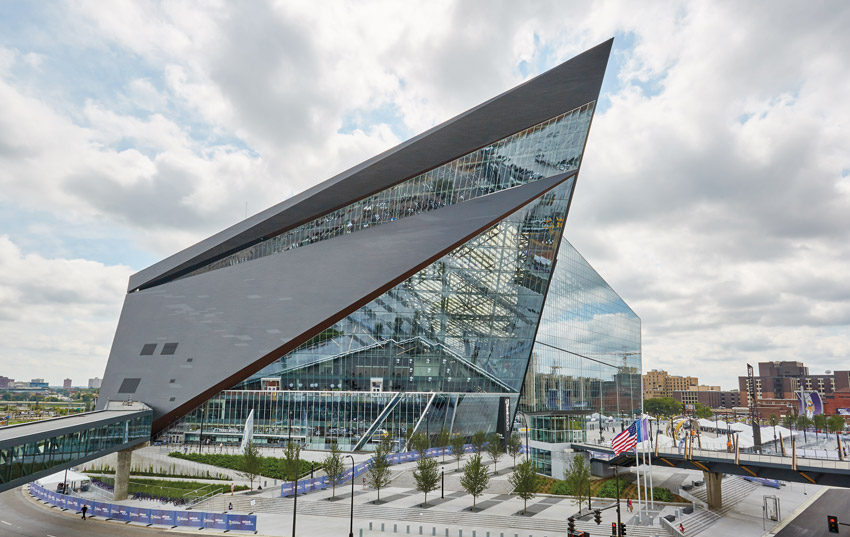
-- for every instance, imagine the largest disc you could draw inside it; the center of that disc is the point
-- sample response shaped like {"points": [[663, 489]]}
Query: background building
{"points": [[777, 382], [659, 383], [66, 383], [94, 383]]}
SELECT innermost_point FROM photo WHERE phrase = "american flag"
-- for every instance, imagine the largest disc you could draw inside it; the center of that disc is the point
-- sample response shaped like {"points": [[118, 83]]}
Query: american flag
{"points": [[626, 440]]}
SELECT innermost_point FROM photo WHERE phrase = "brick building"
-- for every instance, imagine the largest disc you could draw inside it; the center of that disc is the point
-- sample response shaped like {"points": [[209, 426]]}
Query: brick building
{"points": [[661, 384]]}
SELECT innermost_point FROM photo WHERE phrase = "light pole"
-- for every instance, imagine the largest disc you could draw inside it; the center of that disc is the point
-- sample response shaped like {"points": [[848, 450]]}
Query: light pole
{"points": [[295, 489], [201, 435], [442, 483], [617, 483], [351, 524]]}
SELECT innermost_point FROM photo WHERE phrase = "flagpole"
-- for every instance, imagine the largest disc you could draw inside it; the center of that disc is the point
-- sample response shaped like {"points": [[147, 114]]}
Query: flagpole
{"points": [[637, 459]]}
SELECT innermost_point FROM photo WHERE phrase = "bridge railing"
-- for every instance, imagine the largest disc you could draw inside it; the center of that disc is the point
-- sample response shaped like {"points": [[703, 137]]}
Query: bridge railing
{"points": [[832, 464]]}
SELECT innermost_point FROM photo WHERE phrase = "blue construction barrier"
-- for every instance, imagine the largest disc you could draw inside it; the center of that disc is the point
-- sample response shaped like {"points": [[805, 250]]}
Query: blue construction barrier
{"points": [[143, 515], [764, 481]]}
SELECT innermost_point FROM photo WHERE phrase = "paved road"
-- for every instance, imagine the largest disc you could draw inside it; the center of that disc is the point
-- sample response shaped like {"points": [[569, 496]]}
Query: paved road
{"points": [[812, 521], [20, 518]]}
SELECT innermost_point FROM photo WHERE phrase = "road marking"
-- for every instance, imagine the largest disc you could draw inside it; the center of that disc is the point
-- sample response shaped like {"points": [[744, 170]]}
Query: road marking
{"points": [[4, 522], [48, 535]]}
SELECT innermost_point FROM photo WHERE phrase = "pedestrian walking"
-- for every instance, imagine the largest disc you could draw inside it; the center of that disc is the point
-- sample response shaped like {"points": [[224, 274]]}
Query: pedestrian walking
{"points": [[230, 506], [232, 488], [681, 528], [631, 507], [84, 509]]}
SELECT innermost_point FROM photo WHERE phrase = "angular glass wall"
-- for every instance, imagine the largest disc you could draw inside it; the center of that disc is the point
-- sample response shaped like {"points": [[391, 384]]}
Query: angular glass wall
{"points": [[355, 420], [549, 148], [586, 355]]}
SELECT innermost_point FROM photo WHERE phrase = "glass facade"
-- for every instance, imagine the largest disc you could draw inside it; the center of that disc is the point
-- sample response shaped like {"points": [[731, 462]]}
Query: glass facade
{"points": [[549, 148], [586, 355], [22, 460]]}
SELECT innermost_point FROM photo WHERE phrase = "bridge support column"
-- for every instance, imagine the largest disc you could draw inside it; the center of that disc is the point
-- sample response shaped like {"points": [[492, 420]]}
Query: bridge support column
{"points": [[122, 474], [712, 489]]}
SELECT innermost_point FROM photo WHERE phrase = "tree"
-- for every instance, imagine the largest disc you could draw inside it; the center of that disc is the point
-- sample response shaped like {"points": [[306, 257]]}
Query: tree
{"points": [[524, 481], [419, 443], [788, 421], [479, 440], [292, 461], [577, 476], [803, 422], [773, 421], [702, 411], [378, 476], [252, 462], [495, 449], [514, 445], [662, 406], [458, 448], [426, 475], [474, 479], [334, 467], [819, 421], [442, 441], [835, 423]]}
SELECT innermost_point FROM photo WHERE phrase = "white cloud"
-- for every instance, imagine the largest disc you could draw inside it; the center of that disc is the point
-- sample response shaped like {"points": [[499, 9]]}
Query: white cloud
{"points": [[714, 196]]}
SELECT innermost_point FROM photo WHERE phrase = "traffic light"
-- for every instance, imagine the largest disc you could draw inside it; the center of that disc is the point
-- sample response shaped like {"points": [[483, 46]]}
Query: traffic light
{"points": [[613, 529], [622, 529], [832, 523], [597, 516], [571, 524]]}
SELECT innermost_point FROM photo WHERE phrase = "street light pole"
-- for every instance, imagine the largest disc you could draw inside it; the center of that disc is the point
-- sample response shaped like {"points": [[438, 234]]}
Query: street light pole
{"points": [[201, 435], [442, 483], [351, 525]]}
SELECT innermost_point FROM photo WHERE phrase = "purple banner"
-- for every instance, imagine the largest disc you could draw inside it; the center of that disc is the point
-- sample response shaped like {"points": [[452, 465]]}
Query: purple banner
{"points": [[810, 403], [215, 521], [163, 517], [242, 522]]}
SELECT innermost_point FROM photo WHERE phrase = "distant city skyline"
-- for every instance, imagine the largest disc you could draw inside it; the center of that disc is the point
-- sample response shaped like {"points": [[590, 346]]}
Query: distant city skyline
{"points": [[715, 190]]}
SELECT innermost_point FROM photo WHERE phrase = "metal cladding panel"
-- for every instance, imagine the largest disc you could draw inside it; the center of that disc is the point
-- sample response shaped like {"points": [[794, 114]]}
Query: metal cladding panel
{"points": [[231, 322], [567, 86]]}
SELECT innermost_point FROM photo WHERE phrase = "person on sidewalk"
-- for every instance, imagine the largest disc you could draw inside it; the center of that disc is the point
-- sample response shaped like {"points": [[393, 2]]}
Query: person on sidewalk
{"points": [[631, 507], [84, 509], [681, 528]]}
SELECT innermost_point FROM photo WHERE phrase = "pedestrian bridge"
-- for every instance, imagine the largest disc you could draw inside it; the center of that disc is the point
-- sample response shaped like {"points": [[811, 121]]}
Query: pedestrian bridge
{"points": [[32, 450], [830, 472]]}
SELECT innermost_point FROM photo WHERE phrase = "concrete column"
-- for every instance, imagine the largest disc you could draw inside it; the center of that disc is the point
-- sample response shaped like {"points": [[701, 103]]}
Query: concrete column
{"points": [[122, 474], [712, 489]]}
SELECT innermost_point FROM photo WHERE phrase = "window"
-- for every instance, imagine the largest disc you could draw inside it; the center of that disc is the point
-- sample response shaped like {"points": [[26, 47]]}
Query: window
{"points": [[169, 348], [148, 349], [129, 385]]}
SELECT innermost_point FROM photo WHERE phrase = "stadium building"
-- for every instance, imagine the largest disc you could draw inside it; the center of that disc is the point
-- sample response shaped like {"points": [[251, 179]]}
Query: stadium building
{"points": [[427, 288]]}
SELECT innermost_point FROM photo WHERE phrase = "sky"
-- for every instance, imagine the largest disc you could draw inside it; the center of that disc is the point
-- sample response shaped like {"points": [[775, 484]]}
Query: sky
{"points": [[714, 194]]}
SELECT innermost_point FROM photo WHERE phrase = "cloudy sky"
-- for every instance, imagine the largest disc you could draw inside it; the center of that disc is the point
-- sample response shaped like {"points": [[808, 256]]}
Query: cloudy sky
{"points": [[714, 194]]}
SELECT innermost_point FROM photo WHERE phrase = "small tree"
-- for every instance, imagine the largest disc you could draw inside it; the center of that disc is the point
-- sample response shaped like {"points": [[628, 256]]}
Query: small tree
{"points": [[524, 481], [442, 441], [426, 475], [479, 440], [474, 479], [774, 421], [835, 423], [252, 462], [292, 461], [819, 421], [803, 423], [577, 476], [378, 476], [419, 443], [514, 445], [702, 411], [495, 449], [788, 421], [334, 467], [458, 447]]}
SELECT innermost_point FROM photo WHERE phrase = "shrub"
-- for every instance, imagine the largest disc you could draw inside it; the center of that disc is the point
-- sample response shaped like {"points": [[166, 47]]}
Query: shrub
{"points": [[661, 494], [272, 466], [609, 488], [561, 488]]}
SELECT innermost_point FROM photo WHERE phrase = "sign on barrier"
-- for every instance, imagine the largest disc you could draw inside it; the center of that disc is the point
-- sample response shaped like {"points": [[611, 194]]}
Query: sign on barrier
{"points": [[242, 522], [196, 519], [101, 509], [181, 518], [163, 517], [140, 515], [215, 521]]}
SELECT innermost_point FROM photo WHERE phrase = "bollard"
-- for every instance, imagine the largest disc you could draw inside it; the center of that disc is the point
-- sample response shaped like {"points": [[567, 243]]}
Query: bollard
{"points": [[370, 526], [447, 532], [420, 530], [408, 529], [395, 528], [488, 534], [433, 531], [473, 533], [382, 526], [459, 533], [361, 532]]}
